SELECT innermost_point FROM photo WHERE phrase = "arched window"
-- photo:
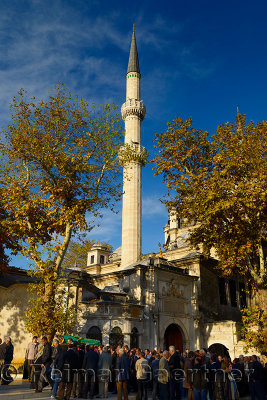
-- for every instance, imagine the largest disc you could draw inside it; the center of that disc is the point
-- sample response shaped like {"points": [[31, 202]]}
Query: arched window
{"points": [[134, 339], [116, 337], [94, 333]]}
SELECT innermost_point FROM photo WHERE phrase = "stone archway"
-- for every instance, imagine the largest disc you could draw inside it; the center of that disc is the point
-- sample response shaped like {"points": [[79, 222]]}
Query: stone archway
{"points": [[94, 333], [116, 337], [173, 336]]}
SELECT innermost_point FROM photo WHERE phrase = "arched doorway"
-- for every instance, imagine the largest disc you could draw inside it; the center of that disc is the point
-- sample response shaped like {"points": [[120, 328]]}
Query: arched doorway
{"points": [[173, 337], [116, 337], [219, 349], [94, 333], [134, 342]]}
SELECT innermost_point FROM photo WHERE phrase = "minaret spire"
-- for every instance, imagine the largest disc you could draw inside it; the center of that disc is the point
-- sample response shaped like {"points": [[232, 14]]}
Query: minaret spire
{"points": [[133, 112], [133, 64]]}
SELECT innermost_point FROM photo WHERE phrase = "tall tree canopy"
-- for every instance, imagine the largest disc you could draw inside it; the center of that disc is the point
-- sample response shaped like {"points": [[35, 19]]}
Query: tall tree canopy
{"points": [[60, 170], [217, 183]]}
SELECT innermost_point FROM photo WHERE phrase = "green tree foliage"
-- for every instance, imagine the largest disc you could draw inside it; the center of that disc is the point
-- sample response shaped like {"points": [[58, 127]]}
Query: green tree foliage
{"points": [[217, 183], [61, 169]]}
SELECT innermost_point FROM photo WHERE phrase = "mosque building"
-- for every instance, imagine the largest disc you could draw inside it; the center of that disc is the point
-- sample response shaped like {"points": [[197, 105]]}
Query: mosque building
{"points": [[154, 300]]}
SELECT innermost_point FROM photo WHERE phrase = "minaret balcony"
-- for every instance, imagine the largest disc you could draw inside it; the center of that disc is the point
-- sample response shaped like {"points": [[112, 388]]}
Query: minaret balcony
{"points": [[133, 107], [132, 152]]}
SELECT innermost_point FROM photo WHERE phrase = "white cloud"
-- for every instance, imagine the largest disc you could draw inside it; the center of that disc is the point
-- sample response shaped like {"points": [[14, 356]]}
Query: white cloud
{"points": [[152, 207], [107, 228]]}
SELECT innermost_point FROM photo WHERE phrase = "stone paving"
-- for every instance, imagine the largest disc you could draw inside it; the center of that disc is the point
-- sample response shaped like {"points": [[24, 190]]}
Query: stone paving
{"points": [[19, 390]]}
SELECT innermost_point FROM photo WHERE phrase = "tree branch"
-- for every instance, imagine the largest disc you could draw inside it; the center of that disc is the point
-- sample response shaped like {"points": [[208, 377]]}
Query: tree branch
{"points": [[254, 275], [100, 178], [262, 260], [63, 248]]}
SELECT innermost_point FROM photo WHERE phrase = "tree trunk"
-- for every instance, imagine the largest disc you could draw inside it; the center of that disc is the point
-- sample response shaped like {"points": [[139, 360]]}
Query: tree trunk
{"points": [[49, 305], [262, 302]]}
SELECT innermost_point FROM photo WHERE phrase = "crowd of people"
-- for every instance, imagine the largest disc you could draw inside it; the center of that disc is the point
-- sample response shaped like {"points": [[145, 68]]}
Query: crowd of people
{"points": [[78, 371]]}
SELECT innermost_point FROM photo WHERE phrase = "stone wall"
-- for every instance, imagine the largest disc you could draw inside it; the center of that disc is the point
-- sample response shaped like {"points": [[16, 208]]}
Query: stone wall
{"points": [[225, 333], [13, 304]]}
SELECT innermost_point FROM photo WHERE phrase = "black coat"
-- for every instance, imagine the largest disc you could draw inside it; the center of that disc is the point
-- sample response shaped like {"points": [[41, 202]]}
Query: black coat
{"points": [[258, 371], [47, 352], [9, 353], [174, 364], [68, 364], [123, 366], [199, 377], [2, 350], [80, 353], [45, 358], [90, 360]]}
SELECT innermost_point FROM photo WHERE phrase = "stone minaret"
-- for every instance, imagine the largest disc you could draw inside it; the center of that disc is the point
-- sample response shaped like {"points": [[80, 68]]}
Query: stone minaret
{"points": [[133, 113]]}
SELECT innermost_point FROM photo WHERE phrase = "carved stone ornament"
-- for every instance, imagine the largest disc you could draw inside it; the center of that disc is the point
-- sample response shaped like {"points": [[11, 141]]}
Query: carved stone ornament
{"points": [[173, 291]]}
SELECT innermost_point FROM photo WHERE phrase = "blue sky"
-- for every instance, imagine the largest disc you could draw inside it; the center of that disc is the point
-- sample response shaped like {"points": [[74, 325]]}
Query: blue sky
{"points": [[198, 58]]}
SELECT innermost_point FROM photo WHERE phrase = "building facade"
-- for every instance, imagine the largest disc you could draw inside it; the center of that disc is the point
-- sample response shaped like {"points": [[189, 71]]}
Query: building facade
{"points": [[155, 300]]}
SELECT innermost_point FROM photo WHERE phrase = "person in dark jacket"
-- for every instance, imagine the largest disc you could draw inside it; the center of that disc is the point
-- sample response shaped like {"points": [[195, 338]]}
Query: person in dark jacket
{"points": [[188, 366], [132, 380], [81, 353], [256, 380], [175, 374], [56, 374], [155, 374], [199, 381], [43, 365], [8, 357], [216, 380], [2, 356], [90, 363], [67, 364], [77, 379], [104, 365], [122, 377], [112, 384]]}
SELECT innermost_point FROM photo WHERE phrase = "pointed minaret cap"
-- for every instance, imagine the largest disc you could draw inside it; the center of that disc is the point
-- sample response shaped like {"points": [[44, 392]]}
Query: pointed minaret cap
{"points": [[133, 64]]}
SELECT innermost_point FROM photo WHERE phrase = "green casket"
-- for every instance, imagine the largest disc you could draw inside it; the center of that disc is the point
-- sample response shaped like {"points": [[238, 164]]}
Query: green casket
{"points": [[79, 339]]}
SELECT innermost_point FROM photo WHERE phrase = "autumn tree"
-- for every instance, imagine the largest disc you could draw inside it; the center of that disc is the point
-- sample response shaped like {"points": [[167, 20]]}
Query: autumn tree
{"points": [[217, 183], [77, 252], [61, 169], [7, 242]]}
